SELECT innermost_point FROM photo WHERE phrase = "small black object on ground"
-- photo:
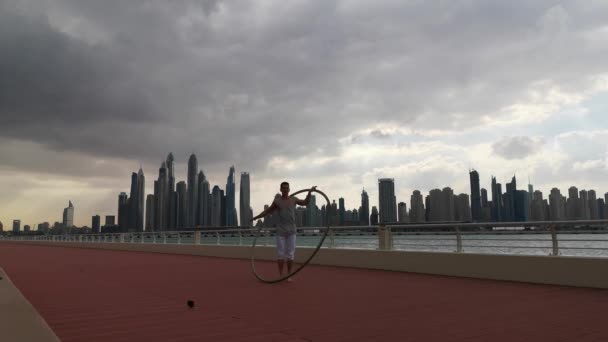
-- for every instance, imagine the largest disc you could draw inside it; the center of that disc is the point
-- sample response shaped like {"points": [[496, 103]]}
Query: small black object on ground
{"points": [[190, 303]]}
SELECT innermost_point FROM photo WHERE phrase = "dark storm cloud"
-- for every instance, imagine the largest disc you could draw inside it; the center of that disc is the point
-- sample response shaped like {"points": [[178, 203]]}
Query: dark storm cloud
{"points": [[241, 81]]}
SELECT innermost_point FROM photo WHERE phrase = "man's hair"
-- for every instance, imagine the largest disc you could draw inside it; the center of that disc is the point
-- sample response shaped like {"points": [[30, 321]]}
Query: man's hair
{"points": [[285, 183]]}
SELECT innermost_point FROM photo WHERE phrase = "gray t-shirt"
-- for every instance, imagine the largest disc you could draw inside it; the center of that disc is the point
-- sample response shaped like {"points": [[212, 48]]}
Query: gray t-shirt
{"points": [[286, 223]]}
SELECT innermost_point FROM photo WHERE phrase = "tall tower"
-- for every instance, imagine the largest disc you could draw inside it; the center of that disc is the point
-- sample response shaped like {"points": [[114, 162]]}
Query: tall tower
{"points": [[496, 200], [203, 200], [141, 196], [417, 213], [192, 190], [387, 201], [170, 208], [230, 211], [123, 211], [68, 216], [475, 196], [162, 211], [244, 200], [341, 210], [364, 212], [149, 226], [183, 205], [216, 207], [133, 203]]}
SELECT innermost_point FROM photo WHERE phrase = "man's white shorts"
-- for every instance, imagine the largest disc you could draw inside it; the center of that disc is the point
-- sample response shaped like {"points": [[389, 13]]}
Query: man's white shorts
{"points": [[286, 246]]}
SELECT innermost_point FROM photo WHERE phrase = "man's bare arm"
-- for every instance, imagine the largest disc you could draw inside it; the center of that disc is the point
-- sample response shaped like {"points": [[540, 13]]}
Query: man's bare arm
{"points": [[305, 201], [267, 211]]}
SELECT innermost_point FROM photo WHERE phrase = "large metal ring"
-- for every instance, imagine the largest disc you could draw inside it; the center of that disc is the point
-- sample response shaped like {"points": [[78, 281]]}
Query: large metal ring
{"points": [[257, 234]]}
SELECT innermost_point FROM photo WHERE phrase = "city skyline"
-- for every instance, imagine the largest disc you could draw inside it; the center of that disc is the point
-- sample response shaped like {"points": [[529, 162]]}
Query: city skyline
{"points": [[429, 91], [456, 207]]}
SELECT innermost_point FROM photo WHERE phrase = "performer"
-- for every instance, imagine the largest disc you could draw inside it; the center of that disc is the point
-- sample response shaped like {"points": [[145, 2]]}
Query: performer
{"points": [[286, 226]]}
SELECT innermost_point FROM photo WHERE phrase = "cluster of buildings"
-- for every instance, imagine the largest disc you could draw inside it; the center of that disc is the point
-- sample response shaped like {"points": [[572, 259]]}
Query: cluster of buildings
{"points": [[193, 203]]}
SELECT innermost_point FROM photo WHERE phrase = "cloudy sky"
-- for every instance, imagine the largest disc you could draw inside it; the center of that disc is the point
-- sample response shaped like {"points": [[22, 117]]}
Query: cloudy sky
{"points": [[329, 93]]}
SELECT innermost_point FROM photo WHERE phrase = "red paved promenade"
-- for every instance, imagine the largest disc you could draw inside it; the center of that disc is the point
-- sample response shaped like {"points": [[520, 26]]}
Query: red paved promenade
{"points": [[96, 295]]}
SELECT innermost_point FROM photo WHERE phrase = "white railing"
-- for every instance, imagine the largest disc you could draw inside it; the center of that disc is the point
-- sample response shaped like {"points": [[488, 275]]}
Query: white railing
{"points": [[582, 237]]}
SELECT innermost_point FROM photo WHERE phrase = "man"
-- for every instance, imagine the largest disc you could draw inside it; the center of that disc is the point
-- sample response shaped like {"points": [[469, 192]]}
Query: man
{"points": [[286, 226]]}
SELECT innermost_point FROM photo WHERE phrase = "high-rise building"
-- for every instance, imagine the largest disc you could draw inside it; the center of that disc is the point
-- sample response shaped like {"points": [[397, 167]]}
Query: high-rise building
{"points": [[192, 191], [162, 212], [484, 198], [169, 214], [150, 213], [522, 206], [141, 196], [601, 209], [27, 228], [417, 212], [96, 224], [341, 211], [181, 191], [230, 211], [584, 205], [593, 208], [16, 226], [364, 211], [435, 206], [537, 207], [216, 207], [244, 200], [68, 215], [557, 205], [110, 220], [475, 196], [203, 200], [387, 201], [509, 201], [463, 209], [311, 212], [1, 227], [133, 203], [402, 213], [573, 205], [373, 218], [449, 204], [497, 206]]}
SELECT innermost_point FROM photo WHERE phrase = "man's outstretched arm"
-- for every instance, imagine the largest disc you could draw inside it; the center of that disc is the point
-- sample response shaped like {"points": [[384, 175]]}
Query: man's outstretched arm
{"points": [[265, 212], [305, 201]]}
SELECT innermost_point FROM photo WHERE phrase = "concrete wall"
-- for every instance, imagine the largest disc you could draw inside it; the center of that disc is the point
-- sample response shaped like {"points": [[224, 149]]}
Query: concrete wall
{"points": [[557, 270], [19, 321]]}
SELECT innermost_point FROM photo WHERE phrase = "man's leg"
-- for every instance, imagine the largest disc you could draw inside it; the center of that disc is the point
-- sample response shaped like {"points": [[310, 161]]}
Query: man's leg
{"points": [[281, 253], [290, 251]]}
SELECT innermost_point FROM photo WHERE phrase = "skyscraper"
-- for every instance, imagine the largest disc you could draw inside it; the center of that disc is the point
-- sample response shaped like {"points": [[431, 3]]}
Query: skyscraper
{"points": [[387, 200], [475, 196], [373, 218], [463, 209], [402, 212], [203, 200], [96, 224], [170, 206], [584, 205], [68, 216], [417, 213], [123, 211], [141, 196], [556, 205], [216, 207], [181, 191], [449, 204], [364, 212], [230, 210], [161, 209], [16, 226], [244, 200], [133, 203], [435, 206], [509, 203], [150, 213], [593, 208], [192, 190], [522, 206], [497, 207], [484, 198], [341, 210]]}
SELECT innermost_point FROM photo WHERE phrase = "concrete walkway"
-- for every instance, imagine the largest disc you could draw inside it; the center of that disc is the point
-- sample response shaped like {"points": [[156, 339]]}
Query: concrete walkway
{"points": [[102, 295]]}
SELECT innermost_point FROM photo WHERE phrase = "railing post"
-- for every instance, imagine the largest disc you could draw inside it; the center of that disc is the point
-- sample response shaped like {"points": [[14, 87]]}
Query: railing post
{"points": [[458, 240], [240, 238], [385, 238], [217, 238], [122, 237], [197, 238], [554, 240], [179, 238], [164, 237], [331, 238], [143, 237]]}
